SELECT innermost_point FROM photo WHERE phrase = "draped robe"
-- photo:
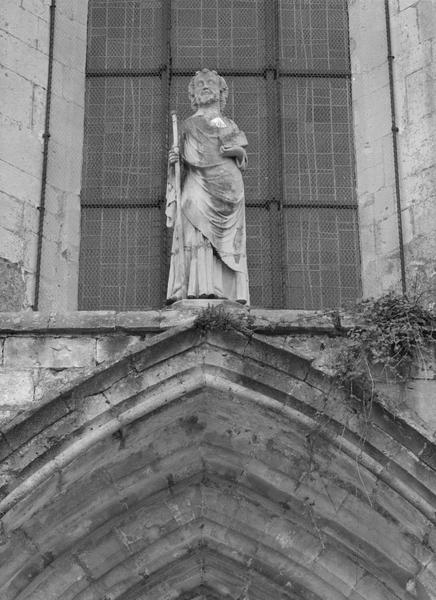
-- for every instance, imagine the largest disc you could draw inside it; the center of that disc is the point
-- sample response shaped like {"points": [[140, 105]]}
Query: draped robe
{"points": [[208, 256]]}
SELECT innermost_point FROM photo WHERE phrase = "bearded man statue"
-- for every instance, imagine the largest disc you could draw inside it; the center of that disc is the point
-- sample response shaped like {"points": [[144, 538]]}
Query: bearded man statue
{"points": [[208, 257]]}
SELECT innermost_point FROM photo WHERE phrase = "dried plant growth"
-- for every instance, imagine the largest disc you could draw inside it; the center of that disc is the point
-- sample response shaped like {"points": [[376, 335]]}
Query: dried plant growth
{"points": [[216, 317], [393, 333]]}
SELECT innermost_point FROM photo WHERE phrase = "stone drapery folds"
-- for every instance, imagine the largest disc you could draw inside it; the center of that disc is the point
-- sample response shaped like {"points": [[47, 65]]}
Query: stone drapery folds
{"points": [[208, 256]]}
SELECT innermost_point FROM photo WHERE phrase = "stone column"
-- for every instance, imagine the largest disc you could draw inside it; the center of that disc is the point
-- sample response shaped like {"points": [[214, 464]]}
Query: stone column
{"points": [[60, 249]]}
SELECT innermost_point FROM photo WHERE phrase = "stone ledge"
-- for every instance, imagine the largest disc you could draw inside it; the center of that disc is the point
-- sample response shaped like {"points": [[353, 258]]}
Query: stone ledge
{"points": [[266, 321]]}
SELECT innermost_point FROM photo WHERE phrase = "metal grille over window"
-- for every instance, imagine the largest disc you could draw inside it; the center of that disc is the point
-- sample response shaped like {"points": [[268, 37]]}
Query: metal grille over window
{"points": [[286, 63]]}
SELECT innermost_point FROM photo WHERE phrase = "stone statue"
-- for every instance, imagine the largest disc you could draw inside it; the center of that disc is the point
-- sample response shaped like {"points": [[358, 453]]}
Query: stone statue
{"points": [[206, 205]]}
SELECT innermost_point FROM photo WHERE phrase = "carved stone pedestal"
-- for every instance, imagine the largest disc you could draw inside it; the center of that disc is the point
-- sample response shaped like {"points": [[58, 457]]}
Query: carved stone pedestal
{"points": [[199, 304]]}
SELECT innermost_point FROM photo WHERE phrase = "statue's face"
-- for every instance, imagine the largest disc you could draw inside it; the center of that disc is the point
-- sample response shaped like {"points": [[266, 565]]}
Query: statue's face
{"points": [[206, 88]]}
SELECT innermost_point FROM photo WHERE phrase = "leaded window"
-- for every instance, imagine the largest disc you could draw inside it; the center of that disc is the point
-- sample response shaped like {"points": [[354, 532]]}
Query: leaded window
{"points": [[287, 66]]}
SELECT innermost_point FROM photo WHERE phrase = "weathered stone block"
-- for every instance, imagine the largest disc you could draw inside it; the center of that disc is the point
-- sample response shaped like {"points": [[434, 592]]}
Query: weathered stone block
{"points": [[406, 27], [21, 24], [111, 346], [384, 207], [65, 165], [49, 383], [70, 41], [368, 34], [404, 4], [78, 321], [66, 121], [373, 179], [419, 395], [16, 386], [70, 579], [371, 153], [426, 20], [11, 212], [12, 286], [171, 318], [30, 243], [49, 352], [31, 64], [69, 83], [40, 8], [409, 62], [37, 117], [17, 98], [419, 228], [388, 159], [11, 246], [60, 254], [62, 217], [29, 286], [59, 276], [23, 321], [108, 548], [420, 97], [74, 10], [23, 148], [19, 184], [421, 161], [376, 119], [30, 218], [138, 320], [419, 194], [277, 321]]}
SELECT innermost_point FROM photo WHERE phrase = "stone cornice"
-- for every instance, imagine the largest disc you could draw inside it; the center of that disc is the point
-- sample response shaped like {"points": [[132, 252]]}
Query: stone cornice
{"points": [[153, 321]]}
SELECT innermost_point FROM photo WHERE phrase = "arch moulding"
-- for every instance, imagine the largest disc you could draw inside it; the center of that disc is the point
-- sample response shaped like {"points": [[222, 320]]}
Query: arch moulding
{"points": [[214, 465]]}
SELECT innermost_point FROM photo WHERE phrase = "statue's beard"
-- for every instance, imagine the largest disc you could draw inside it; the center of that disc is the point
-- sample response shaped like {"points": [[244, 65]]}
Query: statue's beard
{"points": [[204, 99]]}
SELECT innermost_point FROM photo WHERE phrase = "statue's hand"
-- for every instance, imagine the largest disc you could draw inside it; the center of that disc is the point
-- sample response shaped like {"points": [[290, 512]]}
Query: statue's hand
{"points": [[242, 163], [233, 151], [236, 152], [173, 155]]}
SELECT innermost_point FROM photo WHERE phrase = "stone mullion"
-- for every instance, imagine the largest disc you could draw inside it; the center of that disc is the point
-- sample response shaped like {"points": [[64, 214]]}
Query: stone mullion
{"points": [[274, 151], [166, 75]]}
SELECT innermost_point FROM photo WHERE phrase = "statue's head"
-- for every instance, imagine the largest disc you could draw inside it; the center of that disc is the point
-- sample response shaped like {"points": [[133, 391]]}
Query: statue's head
{"points": [[207, 87]]}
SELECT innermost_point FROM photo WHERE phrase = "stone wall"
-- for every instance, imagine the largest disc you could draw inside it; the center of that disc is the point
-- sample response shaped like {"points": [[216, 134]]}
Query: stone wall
{"points": [[24, 31], [414, 48], [36, 366], [42, 355], [412, 30], [24, 40], [60, 256], [373, 145]]}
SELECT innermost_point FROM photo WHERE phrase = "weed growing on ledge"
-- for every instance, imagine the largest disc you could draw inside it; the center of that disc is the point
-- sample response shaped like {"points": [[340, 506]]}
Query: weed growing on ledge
{"points": [[216, 317], [392, 334]]}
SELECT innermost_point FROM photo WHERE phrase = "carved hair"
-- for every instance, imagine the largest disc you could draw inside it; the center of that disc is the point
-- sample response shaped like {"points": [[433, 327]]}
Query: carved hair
{"points": [[224, 90]]}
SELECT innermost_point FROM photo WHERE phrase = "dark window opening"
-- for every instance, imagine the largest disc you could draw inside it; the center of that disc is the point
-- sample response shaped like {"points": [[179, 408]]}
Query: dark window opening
{"points": [[286, 63]]}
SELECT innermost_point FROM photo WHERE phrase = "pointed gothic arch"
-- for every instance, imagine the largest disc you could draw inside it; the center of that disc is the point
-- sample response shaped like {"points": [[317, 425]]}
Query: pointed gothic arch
{"points": [[218, 465]]}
